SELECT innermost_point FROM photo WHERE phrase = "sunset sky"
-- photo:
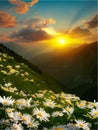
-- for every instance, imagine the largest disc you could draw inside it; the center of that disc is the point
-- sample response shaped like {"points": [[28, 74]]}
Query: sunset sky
{"points": [[39, 23]]}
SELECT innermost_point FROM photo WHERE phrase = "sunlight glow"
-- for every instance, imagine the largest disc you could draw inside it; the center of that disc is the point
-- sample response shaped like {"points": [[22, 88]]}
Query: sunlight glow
{"points": [[62, 41]]}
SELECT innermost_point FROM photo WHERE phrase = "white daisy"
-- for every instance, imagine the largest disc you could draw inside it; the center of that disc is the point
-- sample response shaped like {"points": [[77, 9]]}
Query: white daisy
{"points": [[41, 114], [17, 127], [68, 110], [32, 124], [94, 113], [6, 101], [26, 118], [15, 116], [7, 84], [49, 103], [82, 124], [57, 113]]}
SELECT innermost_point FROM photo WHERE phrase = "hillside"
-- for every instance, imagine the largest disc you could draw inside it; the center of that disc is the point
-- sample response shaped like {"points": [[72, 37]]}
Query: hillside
{"points": [[22, 74], [76, 68], [28, 101]]}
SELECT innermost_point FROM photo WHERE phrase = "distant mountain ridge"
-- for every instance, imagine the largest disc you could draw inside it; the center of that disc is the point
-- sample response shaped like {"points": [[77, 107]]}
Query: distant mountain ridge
{"points": [[75, 68]]}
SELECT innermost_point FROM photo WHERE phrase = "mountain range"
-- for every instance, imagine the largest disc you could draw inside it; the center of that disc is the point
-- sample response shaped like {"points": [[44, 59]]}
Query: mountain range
{"points": [[76, 68]]}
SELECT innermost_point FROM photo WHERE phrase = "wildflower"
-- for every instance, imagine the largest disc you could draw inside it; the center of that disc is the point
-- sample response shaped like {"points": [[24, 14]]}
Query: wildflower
{"points": [[4, 72], [12, 71], [94, 113], [1, 65], [26, 73], [9, 110], [6, 101], [32, 124], [31, 80], [17, 127], [23, 103], [50, 103], [62, 127], [9, 66], [68, 110], [15, 116], [41, 114], [57, 113], [7, 84], [82, 124], [39, 95], [26, 118], [82, 104], [17, 66]]}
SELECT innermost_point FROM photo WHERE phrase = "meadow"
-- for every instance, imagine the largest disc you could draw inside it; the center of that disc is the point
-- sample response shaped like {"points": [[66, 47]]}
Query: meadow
{"points": [[28, 101]]}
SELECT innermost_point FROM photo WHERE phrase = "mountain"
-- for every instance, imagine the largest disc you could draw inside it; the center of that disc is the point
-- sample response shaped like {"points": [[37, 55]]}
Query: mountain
{"points": [[31, 100], [76, 68]]}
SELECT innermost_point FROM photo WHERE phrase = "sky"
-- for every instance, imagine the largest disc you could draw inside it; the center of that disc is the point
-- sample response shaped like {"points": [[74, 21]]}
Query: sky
{"points": [[38, 24]]}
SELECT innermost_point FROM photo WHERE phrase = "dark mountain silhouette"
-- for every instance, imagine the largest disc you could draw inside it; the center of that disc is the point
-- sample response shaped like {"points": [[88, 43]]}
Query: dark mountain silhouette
{"points": [[76, 68]]}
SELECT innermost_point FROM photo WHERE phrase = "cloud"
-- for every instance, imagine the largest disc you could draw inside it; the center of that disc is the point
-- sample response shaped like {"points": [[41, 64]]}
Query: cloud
{"points": [[4, 38], [6, 20], [86, 31], [21, 6], [92, 23], [38, 23], [30, 35], [33, 2], [79, 32]]}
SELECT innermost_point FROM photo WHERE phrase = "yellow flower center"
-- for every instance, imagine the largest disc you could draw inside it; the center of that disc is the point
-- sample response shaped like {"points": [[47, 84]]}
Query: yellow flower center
{"points": [[15, 127], [81, 125], [30, 124], [67, 109], [40, 114], [18, 102], [5, 102], [96, 112], [9, 110], [81, 105], [24, 119], [68, 101], [59, 128]]}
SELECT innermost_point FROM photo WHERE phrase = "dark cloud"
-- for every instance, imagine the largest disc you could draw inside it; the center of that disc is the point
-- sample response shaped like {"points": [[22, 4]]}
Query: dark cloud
{"points": [[79, 32], [92, 23], [6, 20], [30, 35], [32, 30]]}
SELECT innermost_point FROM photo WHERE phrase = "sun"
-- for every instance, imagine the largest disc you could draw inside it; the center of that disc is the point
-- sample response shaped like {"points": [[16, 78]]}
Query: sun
{"points": [[62, 41]]}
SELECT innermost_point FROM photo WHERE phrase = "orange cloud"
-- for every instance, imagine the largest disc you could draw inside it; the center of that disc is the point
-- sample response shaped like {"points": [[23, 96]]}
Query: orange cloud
{"points": [[6, 20], [4, 38], [48, 21], [37, 23], [33, 2], [79, 32], [21, 6]]}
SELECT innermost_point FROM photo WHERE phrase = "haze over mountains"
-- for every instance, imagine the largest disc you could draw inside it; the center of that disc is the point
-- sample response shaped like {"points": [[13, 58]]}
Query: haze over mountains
{"points": [[75, 68]]}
